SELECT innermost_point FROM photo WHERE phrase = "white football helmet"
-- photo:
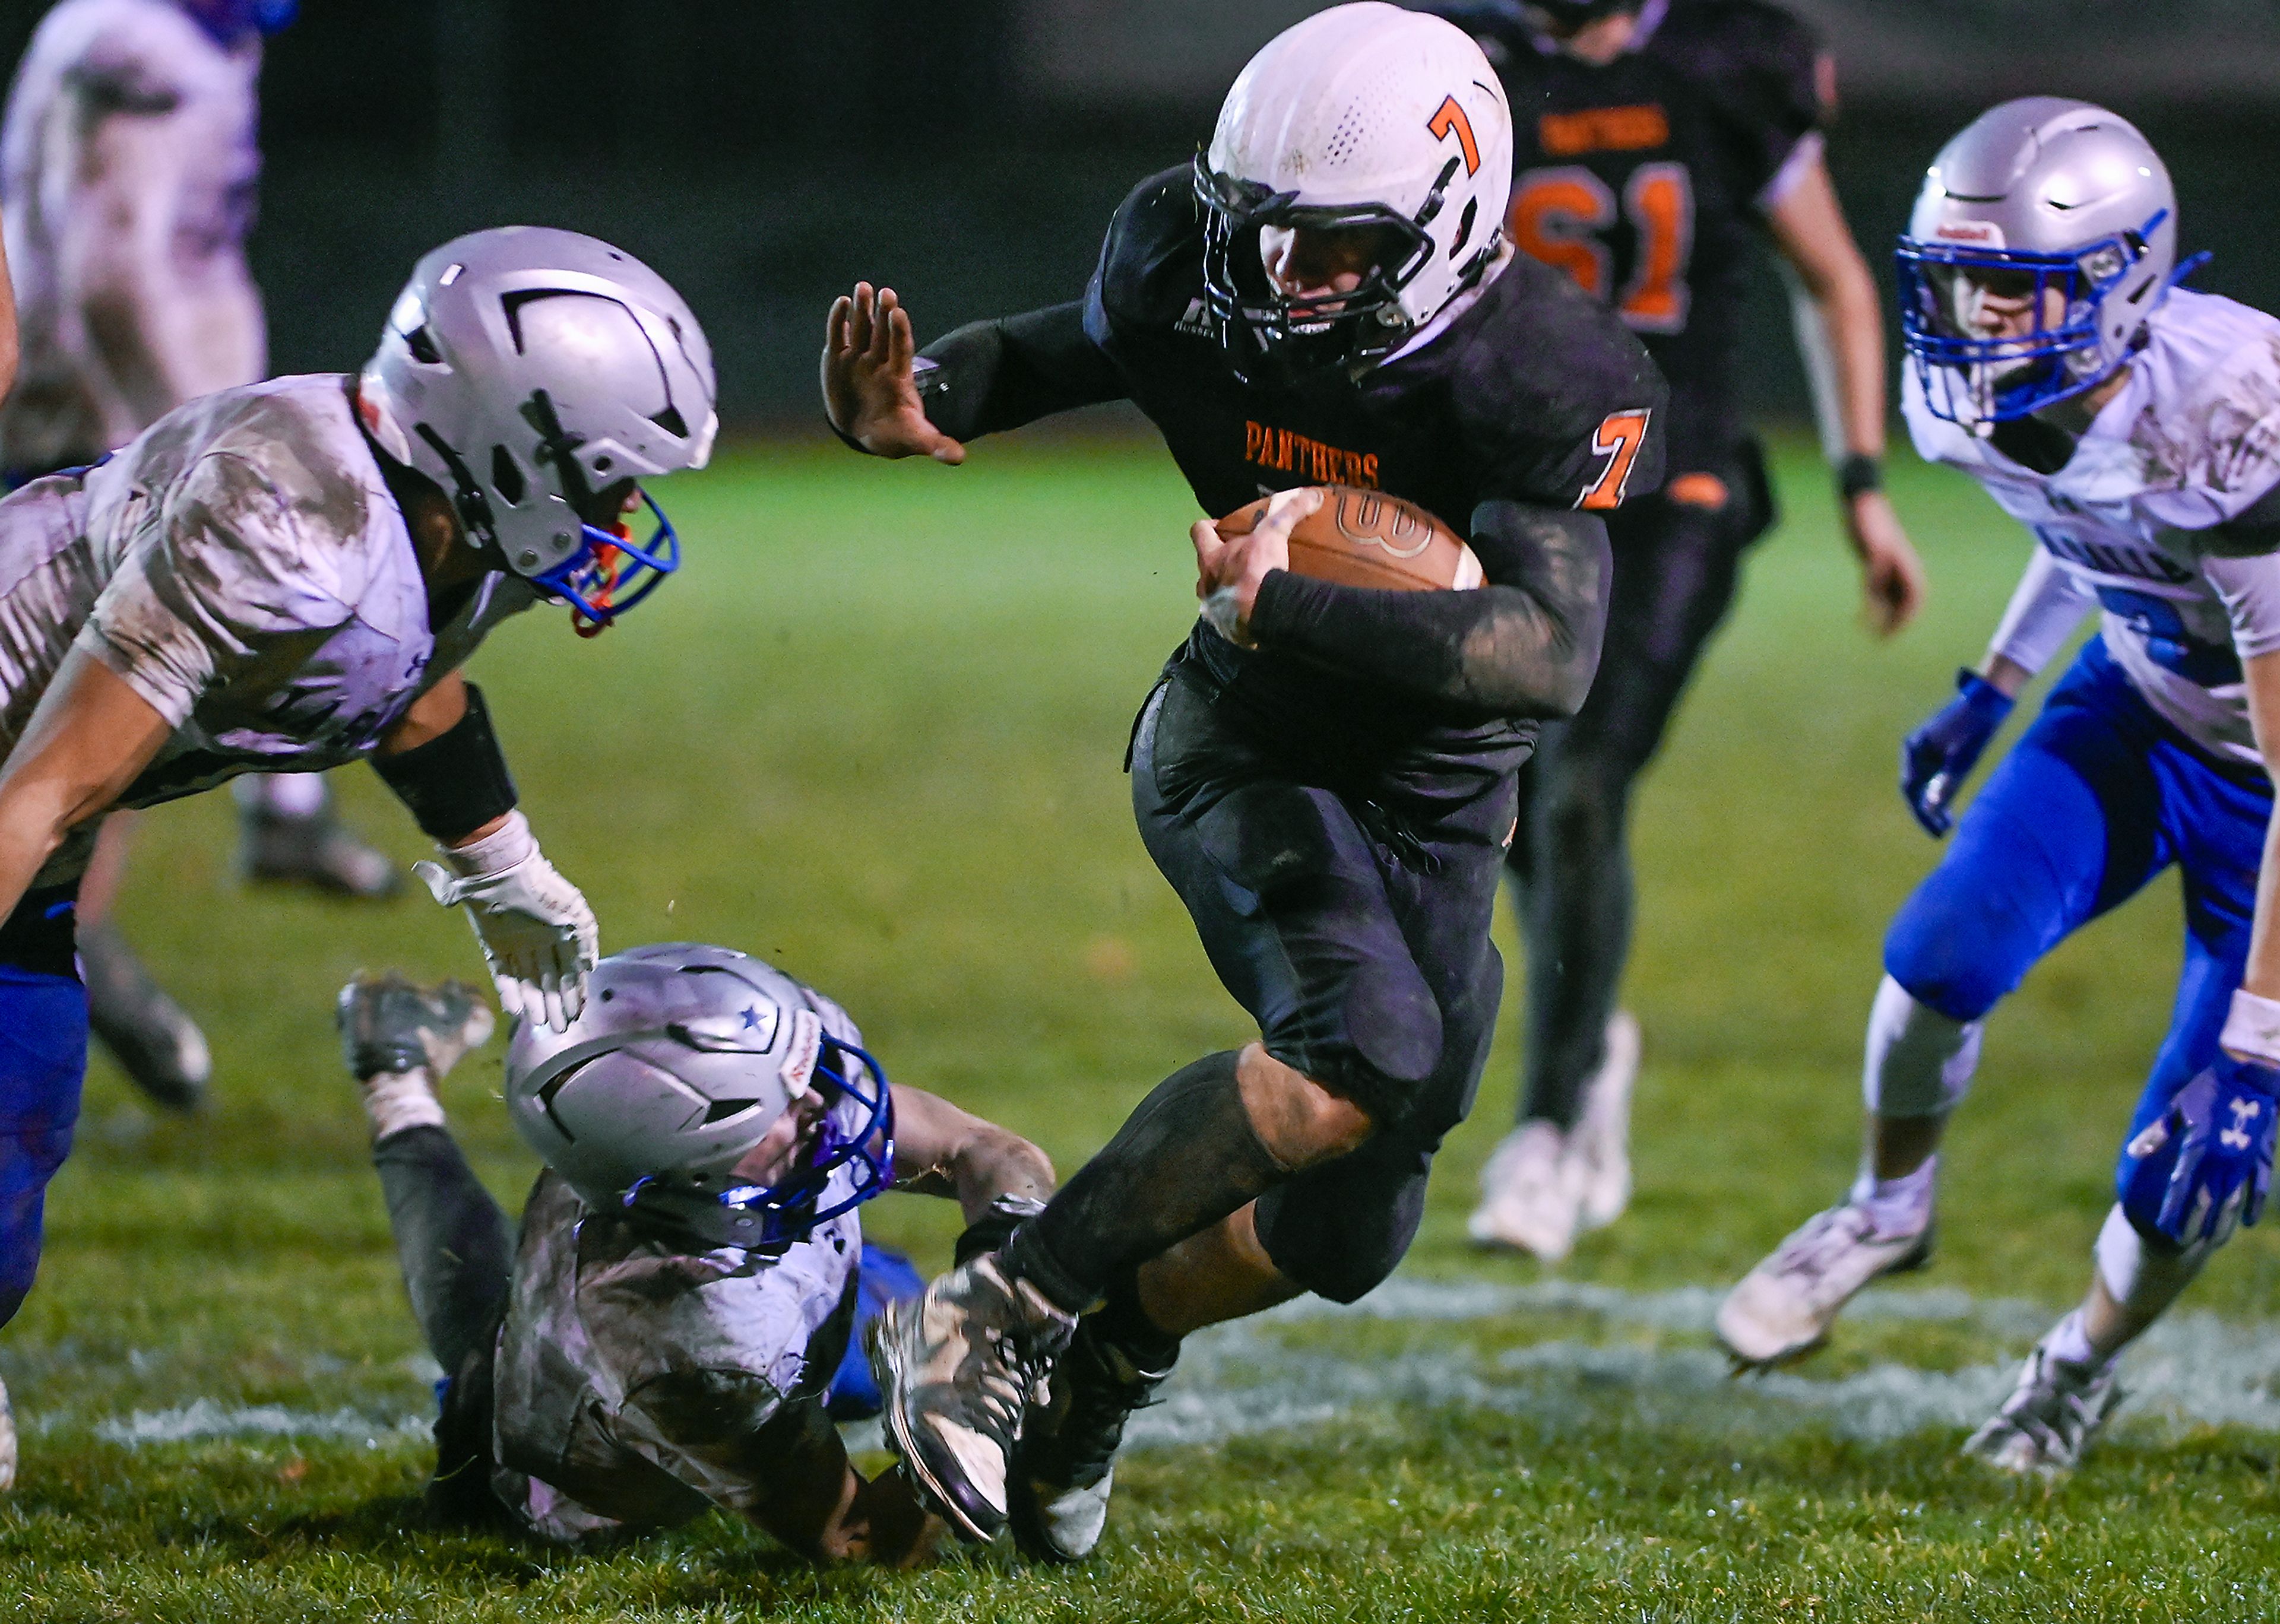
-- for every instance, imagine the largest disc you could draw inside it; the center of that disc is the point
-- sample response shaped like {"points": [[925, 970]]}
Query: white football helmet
{"points": [[684, 1058], [1363, 115], [524, 368], [2057, 202]]}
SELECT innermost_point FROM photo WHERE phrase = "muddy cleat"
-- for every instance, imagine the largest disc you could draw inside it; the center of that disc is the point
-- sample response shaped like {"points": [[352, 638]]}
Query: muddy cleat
{"points": [[1783, 1307], [7, 1442], [957, 1368], [388, 1024], [2050, 1418], [1601, 1140], [317, 852], [1531, 1194], [153, 1039], [1066, 1462]]}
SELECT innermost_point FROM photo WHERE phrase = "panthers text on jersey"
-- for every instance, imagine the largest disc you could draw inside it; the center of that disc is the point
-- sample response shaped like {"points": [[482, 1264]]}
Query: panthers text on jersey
{"points": [[1521, 392], [632, 1377], [2192, 440], [126, 118], [242, 568], [1643, 180]]}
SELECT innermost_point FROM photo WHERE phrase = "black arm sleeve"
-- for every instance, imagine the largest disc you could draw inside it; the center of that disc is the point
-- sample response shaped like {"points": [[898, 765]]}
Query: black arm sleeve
{"points": [[457, 781], [1525, 646], [991, 375]]}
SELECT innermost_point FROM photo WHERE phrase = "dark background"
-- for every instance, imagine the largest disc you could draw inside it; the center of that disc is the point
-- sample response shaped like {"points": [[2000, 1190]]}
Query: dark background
{"points": [[763, 154]]}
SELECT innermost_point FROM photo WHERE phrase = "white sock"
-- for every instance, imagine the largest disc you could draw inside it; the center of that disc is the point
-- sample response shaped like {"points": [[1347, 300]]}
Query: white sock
{"points": [[1918, 1063], [2070, 1344], [398, 1100], [282, 795], [1901, 1206]]}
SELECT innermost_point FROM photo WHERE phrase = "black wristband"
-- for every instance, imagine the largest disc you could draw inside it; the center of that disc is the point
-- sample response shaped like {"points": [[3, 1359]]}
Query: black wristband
{"points": [[457, 781], [1859, 475], [990, 1232]]}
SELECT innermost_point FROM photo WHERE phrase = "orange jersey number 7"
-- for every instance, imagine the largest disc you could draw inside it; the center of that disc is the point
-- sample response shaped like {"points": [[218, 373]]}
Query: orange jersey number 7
{"points": [[1620, 435]]}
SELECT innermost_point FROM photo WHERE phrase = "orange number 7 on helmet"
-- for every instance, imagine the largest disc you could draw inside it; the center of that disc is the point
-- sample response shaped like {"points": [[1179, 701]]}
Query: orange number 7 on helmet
{"points": [[1449, 116], [1617, 439]]}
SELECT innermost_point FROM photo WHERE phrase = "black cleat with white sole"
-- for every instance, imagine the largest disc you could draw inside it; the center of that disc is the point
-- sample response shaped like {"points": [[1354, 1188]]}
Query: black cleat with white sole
{"points": [[1066, 1462]]}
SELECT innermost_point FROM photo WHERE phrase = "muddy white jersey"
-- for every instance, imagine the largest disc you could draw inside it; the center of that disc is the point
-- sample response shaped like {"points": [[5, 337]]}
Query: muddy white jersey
{"points": [[2192, 440], [242, 568], [127, 168], [631, 1377]]}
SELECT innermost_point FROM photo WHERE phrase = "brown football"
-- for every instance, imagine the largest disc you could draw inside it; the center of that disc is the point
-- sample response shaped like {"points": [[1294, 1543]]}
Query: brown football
{"points": [[1366, 538]]}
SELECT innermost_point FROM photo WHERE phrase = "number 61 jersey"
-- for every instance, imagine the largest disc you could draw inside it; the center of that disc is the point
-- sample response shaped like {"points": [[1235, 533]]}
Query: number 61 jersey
{"points": [[1643, 180]]}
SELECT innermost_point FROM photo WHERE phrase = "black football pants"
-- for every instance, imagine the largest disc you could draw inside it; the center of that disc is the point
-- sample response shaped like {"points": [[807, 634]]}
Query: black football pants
{"points": [[1675, 567], [1358, 938]]}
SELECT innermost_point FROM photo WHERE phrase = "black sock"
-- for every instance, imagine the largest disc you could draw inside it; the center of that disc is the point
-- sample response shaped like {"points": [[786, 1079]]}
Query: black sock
{"points": [[456, 1249], [1184, 1159], [1123, 1323]]}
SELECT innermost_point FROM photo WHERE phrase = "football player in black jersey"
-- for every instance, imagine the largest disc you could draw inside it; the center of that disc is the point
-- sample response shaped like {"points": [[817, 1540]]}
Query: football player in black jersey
{"points": [[1658, 141], [1327, 774]]}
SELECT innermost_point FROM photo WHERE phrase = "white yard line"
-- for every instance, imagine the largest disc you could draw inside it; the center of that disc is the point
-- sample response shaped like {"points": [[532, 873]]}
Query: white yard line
{"points": [[1249, 1378], [203, 1419]]}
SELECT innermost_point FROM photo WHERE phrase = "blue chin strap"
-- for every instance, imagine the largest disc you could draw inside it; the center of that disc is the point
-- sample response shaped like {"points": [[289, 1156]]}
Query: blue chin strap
{"points": [[1974, 380], [598, 582], [790, 1210]]}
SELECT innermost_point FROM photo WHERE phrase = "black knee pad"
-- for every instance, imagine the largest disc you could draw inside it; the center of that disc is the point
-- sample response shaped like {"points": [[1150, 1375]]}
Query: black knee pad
{"points": [[1339, 1229]]}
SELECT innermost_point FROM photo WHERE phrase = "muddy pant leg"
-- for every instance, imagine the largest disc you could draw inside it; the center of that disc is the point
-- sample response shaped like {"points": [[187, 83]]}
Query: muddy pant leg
{"points": [[453, 1242]]}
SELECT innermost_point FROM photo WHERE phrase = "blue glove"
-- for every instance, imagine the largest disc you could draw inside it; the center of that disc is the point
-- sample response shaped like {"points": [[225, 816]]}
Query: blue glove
{"points": [[1938, 757], [2222, 1125]]}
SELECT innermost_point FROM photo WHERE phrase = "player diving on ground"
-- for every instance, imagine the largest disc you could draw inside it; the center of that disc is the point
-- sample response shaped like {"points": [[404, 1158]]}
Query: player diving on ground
{"points": [[1324, 772], [287, 576], [2133, 427], [660, 1337]]}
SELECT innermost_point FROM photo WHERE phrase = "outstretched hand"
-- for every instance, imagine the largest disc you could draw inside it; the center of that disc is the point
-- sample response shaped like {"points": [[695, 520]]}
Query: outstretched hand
{"points": [[869, 392], [1228, 569]]}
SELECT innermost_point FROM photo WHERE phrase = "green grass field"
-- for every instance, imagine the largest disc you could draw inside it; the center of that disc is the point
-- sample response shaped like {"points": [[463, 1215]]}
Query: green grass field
{"points": [[874, 732]]}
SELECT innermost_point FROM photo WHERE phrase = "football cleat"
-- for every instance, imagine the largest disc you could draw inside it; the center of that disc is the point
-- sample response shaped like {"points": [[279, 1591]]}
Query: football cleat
{"points": [[318, 852], [388, 1024], [1782, 1309], [2051, 1416], [7, 1442], [1531, 1194], [1066, 1462], [1601, 1140], [153, 1039], [958, 1368]]}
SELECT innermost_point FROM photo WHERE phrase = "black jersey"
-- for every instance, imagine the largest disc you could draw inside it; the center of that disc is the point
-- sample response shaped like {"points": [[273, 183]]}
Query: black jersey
{"points": [[1532, 397], [1642, 180]]}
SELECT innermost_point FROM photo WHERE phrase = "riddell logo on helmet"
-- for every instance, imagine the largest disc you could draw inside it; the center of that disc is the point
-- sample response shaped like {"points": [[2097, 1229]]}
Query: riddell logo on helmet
{"points": [[1974, 233]]}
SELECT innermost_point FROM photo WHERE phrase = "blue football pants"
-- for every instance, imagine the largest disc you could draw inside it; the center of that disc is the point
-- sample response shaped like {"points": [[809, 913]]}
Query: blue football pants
{"points": [[2099, 797], [42, 1065]]}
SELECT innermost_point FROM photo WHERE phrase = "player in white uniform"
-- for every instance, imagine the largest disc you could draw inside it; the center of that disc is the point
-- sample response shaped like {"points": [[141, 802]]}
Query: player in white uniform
{"points": [[2133, 428], [287, 576], [127, 168], [660, 1338]]}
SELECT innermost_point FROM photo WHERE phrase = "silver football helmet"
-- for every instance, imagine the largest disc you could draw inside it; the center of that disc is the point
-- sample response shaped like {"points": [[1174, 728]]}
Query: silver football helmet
{"points": [[2058, 207], [523, 369], [684, 1058]]}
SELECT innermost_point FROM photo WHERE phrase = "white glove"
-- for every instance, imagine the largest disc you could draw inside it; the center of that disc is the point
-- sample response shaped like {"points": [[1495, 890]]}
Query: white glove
{"points": [[538, 935]]}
